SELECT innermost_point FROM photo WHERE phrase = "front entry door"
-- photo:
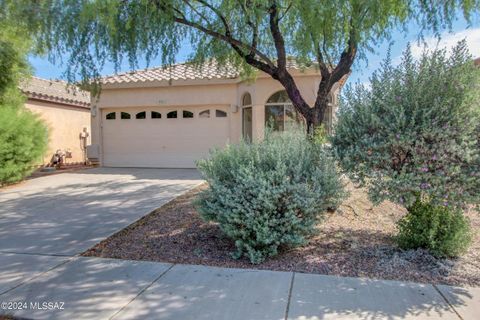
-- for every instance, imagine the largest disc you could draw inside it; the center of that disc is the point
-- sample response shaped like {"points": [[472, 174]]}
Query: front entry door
{"points": [[247, 124]]}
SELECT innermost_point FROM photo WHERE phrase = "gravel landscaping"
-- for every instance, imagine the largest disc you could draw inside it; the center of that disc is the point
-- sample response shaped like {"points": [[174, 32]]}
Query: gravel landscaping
{"points": [[356, 241]]}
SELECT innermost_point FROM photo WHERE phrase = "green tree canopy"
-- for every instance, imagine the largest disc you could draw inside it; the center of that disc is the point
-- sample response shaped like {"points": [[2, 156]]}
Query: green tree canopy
{"points": [[14, 46], [23, 136], [251, 34]]}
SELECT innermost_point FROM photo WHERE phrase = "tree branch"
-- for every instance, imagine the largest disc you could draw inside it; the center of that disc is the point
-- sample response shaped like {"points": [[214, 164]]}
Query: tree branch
{"points": [[267, 66], [196, 11], [341, 69], [347, 57], [253, 26], [228, 32], [277, 38], [286, 11], [324, 71], [283, 76]]}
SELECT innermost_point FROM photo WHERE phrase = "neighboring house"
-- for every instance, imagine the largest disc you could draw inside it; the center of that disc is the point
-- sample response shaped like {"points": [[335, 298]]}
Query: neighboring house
{"points": [[66, 111], [171, 117]]}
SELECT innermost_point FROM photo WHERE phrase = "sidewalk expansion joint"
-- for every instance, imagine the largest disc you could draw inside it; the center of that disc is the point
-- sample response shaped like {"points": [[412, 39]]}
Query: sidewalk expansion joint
{"points": [[142, 291], [40, 254], [37, 276], [289, 295], [448, 302]]}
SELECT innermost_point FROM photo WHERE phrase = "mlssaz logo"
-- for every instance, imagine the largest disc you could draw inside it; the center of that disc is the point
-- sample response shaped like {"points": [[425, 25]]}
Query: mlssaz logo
{"points": [[47, 305]]}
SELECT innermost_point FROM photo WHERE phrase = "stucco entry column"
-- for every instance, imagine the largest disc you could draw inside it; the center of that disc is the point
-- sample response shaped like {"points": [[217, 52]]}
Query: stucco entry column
{"points": [[258, 122]]}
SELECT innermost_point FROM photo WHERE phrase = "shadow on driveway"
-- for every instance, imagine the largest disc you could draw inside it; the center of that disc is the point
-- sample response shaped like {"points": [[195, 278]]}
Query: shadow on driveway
{"points": [[68, 213]]}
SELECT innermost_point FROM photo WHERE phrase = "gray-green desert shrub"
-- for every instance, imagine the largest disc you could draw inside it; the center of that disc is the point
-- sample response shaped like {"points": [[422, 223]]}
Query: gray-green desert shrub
{"points": [[415, 133], [269, 194], [444, 231]]}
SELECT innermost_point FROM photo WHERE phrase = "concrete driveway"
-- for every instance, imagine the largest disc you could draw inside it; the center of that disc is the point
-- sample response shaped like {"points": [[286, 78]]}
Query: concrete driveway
{"points": [[65, 214]]}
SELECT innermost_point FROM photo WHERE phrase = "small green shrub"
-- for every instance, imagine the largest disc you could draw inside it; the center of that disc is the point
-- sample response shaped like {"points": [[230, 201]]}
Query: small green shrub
{"points": [[444, 231], [320, 135], [23, 139], [270, 193]]}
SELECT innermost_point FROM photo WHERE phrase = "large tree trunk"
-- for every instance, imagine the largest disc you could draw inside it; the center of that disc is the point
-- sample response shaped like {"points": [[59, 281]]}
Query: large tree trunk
{"points": [[316, 118], [315, 115]]}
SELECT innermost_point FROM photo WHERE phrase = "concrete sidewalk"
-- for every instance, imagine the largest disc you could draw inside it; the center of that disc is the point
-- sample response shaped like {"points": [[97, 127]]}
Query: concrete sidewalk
{"points": [[95, 288]]}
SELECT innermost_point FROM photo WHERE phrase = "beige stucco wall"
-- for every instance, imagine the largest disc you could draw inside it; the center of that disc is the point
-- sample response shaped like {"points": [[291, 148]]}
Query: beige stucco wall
{"points": [[65, 123], [226, 94]]}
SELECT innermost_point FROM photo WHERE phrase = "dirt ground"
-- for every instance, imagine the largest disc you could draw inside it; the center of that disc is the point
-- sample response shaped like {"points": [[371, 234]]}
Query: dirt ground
{"points": [[356, 240]]}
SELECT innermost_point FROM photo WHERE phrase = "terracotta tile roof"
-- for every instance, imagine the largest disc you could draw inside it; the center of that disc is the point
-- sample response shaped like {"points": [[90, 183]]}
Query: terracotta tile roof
{"points": [[182, 71], [56, 91]]}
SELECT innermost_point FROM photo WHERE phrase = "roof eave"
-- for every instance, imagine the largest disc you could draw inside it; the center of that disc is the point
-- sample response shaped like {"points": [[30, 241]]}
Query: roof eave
{"points": [[197, 82], [165, 83], [54, 99]]}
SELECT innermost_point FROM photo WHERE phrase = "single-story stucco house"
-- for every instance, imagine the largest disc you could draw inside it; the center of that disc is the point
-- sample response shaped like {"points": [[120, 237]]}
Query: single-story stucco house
{"points": [[66, 111], [171, 117]]}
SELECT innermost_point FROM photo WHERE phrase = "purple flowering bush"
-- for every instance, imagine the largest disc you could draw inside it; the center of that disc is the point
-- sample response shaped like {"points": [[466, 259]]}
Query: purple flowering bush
{"points": [[414, 135]]}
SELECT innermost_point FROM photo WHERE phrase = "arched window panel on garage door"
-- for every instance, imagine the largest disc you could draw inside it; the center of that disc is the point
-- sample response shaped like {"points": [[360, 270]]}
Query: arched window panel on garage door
{"points": [[111, 116], [220, 114], [141, 115], [172, 115], [125, 115], [204, 114], [155, 115], [187, 114]]}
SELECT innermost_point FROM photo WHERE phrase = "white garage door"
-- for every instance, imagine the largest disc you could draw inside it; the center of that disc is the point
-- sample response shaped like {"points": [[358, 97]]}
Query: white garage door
{"points": [[162, 138]]}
